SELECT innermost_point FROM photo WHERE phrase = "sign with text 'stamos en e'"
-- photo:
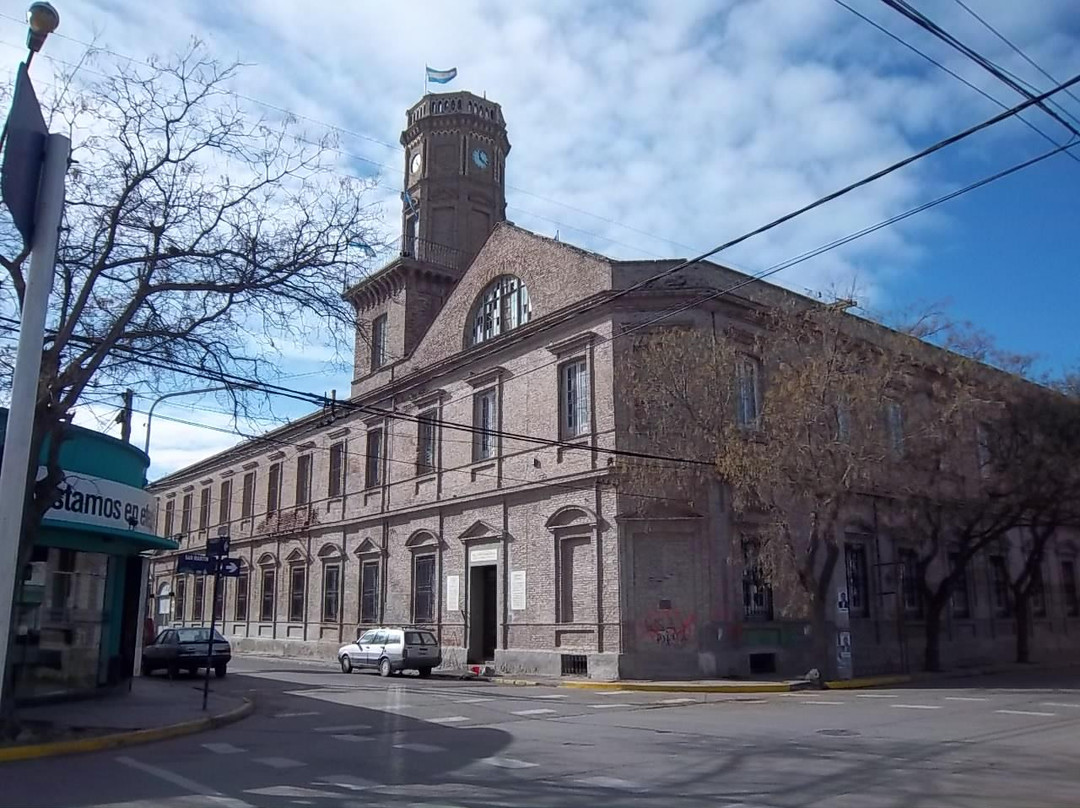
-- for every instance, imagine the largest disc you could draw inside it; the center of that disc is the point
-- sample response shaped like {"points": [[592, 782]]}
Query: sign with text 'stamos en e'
{"points": [[89, 502]]}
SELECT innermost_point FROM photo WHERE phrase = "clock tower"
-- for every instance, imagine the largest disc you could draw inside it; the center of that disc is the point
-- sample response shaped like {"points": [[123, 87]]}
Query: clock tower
{"points": [[455, 163]]}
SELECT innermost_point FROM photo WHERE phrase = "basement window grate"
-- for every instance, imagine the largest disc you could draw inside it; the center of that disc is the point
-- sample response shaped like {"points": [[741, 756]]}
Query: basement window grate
{"points": [[762, 663], [575, 665]]}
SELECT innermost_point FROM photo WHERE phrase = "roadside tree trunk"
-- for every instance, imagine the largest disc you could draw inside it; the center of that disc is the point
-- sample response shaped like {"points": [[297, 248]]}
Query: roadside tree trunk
{"points": [[935, 608], [1023, 627]]}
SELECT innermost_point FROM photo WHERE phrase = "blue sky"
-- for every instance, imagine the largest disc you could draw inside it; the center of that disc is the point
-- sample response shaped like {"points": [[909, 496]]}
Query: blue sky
{"points": [[655, 128]]}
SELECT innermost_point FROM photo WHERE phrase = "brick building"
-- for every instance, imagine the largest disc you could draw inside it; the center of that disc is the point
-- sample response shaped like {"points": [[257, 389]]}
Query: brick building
{"points": [[465, 484]]}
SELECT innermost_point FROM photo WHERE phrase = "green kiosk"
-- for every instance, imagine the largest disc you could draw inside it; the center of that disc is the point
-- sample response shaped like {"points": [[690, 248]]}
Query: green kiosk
{"points": [[79, 603]]}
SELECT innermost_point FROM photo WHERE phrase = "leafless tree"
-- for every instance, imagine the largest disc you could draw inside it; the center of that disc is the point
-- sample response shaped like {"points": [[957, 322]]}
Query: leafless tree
{"points": [[195, 237], [1036, 445], [790, 402]]}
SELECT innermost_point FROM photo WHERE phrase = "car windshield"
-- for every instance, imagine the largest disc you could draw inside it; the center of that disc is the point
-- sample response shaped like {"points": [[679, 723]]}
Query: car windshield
{"points": [[420, 638], [197, 635]]}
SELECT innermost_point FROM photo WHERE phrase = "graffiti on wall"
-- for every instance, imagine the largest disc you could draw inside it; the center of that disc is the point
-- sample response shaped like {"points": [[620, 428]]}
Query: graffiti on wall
{"points": [[670, 628]]}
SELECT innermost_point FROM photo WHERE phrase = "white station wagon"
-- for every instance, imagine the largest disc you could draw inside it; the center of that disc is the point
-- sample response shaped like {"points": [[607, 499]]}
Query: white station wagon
{"points": [[392, 650]]}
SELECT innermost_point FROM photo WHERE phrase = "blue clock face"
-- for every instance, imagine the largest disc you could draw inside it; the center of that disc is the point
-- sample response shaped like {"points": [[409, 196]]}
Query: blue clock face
{"points": [[480, 157]]}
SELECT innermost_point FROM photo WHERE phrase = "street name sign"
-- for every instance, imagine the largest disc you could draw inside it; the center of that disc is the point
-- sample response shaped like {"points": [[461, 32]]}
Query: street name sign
{"points": [[193, 562]]}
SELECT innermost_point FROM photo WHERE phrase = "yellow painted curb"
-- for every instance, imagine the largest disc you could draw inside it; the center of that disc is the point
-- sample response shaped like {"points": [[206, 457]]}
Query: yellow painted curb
{"points": [[867, 681], [118, 739], [749, 687]]}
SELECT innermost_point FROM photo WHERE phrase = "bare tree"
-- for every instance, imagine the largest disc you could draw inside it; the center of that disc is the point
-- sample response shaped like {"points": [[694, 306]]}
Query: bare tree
{"points": [[1036, 445], [194, 237], [790, 403], [944, 498]]}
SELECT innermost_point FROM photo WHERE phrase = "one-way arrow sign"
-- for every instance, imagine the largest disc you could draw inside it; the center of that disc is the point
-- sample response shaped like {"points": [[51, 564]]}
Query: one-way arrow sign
{"points": [[229, 567]]}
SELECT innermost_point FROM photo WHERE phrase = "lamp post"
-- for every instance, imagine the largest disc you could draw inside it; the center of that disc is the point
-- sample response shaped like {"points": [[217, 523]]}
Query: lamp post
{"points": [[41, 19], [35, 163], [159, 399]]}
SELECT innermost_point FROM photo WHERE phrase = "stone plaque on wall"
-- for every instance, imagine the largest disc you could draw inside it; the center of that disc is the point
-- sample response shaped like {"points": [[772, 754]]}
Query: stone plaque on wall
{"points": [[483, 555], [453, 592], [517, 590]]}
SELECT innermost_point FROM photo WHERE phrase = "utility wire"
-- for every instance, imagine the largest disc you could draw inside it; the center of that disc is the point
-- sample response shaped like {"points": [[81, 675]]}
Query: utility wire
{"points": [[951, 72], [317, 400], [463, 469], [773, 270], [322, 400], [924, 22], [332, 405], [1013, 46]]}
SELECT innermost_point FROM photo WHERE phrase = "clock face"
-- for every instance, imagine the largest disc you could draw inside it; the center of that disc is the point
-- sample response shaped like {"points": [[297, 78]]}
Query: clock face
{"points": [[480, 157], [416, 162]]}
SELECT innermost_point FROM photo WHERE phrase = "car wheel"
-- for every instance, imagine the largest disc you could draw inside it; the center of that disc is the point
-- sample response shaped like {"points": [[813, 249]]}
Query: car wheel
{"points": [[220, 671], [384, 667], [424, 673], [346, 664]]}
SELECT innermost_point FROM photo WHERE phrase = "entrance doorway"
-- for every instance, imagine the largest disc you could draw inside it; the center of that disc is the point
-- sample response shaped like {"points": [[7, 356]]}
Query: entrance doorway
{"points": [[483, 614]]}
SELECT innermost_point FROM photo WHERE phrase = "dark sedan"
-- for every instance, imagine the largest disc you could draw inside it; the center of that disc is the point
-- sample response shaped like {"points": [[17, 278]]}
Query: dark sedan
{"points": [[176, 649]]}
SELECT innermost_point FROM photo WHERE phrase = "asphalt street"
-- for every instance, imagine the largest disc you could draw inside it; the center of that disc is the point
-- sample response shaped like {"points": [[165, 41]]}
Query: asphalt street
{"points": [[323, 738]]}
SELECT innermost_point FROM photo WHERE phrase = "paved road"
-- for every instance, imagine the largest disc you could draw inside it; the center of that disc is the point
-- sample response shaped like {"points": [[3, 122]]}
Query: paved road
{"points": [[325, 739]]}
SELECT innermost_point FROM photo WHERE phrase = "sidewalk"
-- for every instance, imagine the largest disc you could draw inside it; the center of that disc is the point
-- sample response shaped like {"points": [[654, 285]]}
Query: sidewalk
{"points": [[154, 709], [732, 686]]}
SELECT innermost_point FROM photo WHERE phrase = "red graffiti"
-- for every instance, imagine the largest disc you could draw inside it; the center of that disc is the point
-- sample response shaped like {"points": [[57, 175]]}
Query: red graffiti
{"points": [[668, 628]]}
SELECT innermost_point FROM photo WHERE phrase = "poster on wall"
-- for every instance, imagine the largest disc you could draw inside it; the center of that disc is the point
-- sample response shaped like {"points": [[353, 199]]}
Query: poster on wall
{"points": [[517, 590]]}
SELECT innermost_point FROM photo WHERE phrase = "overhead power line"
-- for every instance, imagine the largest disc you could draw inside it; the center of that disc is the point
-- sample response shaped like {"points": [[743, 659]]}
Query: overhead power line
{"points": [[924, 22], [315, 399], [1016, 49], [952, 73], [462, 469], [320, 400]]}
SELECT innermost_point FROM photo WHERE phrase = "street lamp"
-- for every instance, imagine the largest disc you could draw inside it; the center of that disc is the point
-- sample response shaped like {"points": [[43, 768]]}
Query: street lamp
{"points": [[32, 184], [159, 399], [42, 19]]}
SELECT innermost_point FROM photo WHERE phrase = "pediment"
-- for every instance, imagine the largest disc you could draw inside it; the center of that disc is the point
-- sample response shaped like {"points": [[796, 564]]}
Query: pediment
{"points": [[297, 556], [368, 548], [572, 516], [479, 531], [330, 551], [422, 538], [268, 560]]}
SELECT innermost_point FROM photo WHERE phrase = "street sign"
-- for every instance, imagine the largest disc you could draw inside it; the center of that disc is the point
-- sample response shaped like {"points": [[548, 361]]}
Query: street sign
{"points": [[218, 546], [193, 562], [229, 567], [24, 156]]}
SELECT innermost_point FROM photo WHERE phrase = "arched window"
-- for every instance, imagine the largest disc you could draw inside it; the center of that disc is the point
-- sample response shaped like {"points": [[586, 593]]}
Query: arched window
{"points": [[501, 307]]}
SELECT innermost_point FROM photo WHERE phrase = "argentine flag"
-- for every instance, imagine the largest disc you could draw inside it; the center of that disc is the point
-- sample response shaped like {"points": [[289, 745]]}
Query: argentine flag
{"points": [[441, 76]]}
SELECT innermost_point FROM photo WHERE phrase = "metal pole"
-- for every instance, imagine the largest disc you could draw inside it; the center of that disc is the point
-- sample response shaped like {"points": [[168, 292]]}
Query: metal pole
{"points": [[18, 468], [159, 399], [216, 566], [144, 582]]}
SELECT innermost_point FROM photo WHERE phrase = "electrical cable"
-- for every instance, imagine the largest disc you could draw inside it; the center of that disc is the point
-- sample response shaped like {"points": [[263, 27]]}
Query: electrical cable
{"points": [[312, 398], [951, 72], [924, 22], [1014, 47]]}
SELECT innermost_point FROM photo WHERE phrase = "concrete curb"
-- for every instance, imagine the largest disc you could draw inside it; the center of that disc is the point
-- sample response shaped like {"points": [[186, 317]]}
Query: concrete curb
{"points": [[659, 687], [869, 681], [119, 739]]}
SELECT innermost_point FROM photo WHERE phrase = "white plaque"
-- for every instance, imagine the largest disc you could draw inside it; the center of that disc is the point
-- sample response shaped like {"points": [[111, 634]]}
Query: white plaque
{"points": [[485, 555], [453, 592], [517, 590]]}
